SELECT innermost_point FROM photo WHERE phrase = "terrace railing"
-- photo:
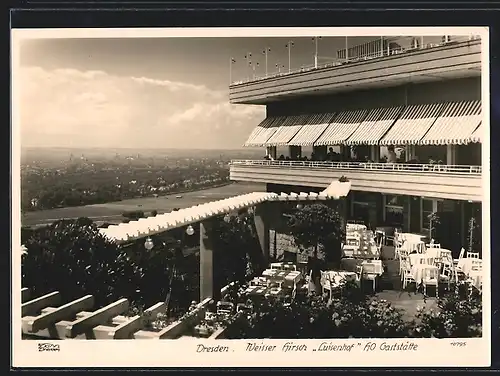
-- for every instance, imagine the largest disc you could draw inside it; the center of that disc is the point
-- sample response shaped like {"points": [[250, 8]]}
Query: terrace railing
{"points": [[389, 167], [391, 50]]}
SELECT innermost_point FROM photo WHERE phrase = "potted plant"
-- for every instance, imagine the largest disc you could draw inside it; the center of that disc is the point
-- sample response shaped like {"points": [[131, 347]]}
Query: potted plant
{"points": [[434, 220]]}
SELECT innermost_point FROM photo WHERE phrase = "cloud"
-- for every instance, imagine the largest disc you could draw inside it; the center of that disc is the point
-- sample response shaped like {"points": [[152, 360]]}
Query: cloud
{"points": [[68, 107]]}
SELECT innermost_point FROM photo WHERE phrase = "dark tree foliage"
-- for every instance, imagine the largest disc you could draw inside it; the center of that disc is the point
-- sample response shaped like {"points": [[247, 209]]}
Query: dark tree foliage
{"points": [[72, 257], [318, 226], [238, 255], [351, 315]]}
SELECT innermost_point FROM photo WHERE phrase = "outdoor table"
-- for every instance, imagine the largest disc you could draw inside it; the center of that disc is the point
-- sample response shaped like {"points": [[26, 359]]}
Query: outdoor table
{"points": [[476, 278], [407, 236], [337, 278], [421, 258], [465, 264], [410, 246], [373, 266], [418, 271], [361, 244], [439, 253], [256, 290], [270, 272]]}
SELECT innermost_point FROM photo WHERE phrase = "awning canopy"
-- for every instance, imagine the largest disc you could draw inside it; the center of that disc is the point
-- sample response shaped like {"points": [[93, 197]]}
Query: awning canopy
{"points": [[477, 135], [263, 131], [287, 130], [312, 130], [341, 127], [374, 126], [456, 124], [126, 232], [413, 124]]}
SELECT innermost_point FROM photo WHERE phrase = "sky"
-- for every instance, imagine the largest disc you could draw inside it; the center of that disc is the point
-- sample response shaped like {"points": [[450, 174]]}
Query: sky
{"points": [[148, 92]]}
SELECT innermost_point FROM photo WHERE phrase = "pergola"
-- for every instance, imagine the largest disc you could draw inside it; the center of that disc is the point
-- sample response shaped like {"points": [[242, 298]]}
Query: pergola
{"points": [[202, 214]]}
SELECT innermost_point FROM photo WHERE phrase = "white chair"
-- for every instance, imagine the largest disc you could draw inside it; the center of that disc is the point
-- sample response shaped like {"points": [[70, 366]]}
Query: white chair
{"points": [[404, 262], [460, 257], [408, 277], [477, 265], [446, 276], [369, 274], [430, 278], [473, 255]]}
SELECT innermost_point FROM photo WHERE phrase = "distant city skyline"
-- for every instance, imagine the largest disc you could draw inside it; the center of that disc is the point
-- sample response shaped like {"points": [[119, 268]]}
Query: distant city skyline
{"points": [[150, 92]]}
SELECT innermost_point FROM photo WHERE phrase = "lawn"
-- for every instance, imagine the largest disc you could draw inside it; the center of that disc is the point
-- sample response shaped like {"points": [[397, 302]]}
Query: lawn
{"points": [[112, 211]]}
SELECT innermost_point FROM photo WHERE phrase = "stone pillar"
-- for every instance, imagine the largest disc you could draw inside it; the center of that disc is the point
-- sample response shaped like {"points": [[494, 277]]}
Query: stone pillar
{"points": [[271, 151], [294, 152], [451, 154], [262, 226], [375, 153], [206, 261]]}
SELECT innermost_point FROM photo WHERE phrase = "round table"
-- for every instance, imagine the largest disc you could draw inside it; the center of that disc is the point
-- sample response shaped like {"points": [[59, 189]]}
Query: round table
{"points": [[418, 271]]}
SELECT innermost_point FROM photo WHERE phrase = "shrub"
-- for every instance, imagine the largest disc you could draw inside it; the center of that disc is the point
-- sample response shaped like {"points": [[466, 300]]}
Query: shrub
{"points": [[72, 257], [133, 215], [459, 315], [349, 315]]}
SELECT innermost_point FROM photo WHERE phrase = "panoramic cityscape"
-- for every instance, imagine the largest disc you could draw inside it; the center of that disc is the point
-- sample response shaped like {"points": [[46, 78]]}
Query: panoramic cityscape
{"points": [[284, 188]]}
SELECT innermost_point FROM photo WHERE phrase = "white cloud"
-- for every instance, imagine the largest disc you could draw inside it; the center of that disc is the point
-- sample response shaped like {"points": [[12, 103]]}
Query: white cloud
{"points": [[67, 107]]}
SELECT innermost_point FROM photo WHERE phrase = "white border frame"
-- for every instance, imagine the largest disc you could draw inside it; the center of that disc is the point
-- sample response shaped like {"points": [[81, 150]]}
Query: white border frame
{"points": [[144, 353]]}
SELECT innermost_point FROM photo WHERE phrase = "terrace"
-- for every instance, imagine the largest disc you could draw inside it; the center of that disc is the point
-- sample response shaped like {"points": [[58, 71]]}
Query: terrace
{"points": [[458, 182], [383, 62]]}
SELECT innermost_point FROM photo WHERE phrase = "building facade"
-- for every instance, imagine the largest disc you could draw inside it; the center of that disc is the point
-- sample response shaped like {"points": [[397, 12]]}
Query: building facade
{"points": [[402, 122]]}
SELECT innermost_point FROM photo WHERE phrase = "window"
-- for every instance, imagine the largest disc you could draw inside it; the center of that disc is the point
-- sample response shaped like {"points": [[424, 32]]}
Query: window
{"points": [[394, 210], [427, 209], [361, 212]]}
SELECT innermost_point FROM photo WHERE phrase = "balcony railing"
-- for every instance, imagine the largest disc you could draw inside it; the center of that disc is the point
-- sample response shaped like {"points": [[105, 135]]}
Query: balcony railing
{"points": [[392, 49], [400, 167]]}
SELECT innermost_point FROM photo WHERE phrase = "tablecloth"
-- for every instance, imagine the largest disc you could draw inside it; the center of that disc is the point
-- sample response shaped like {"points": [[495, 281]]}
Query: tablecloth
{"points": [[337, 278], [418, 271], [465, 264], [373, 266], [366, 248]]}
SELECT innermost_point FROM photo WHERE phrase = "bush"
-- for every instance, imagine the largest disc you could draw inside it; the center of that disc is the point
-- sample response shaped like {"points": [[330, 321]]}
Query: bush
{"points": [[350, 315], [72, 257], [459, 315], [133, 215]]}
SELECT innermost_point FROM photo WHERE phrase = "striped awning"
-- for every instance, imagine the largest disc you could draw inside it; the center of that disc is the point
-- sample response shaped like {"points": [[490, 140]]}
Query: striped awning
{"points": [[287, 130], [341, 127], [310, 132], [263, 131], [375, 125], [477, 135], [413, 124], [455, 125]]}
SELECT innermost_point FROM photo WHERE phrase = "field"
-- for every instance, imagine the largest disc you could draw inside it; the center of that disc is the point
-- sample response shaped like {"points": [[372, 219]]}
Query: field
{"points": [[112, 211]]}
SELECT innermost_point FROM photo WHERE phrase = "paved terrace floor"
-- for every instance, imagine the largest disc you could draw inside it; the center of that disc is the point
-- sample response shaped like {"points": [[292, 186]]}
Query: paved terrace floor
{"points": [[390, 287]]}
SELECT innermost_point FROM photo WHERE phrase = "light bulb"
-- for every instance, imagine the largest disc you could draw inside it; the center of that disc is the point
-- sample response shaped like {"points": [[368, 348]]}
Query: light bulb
{"points": [[250, 210], [190, 230], [227, 218], [148, 244], [300, 206]]}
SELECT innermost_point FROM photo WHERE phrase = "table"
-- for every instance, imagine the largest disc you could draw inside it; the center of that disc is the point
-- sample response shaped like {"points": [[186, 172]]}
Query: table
{"points": [[465, 264], [337, 278], [412, 245], [373, 267], [366, 248], [404, 236], [476, 278], [418, 271], [439, 253]]}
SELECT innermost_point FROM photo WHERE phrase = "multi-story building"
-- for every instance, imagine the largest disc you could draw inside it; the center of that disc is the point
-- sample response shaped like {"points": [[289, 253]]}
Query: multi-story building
{"points": [[399, 117]]}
